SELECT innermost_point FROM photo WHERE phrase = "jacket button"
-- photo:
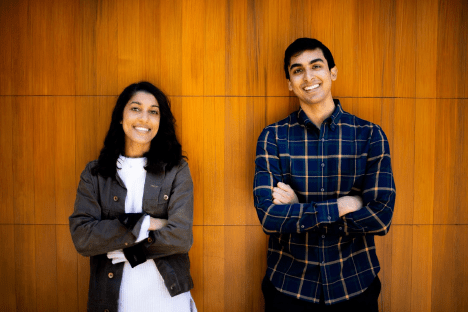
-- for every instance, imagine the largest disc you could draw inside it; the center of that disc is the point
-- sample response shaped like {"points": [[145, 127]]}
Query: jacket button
{"points": [[166, 197], [150, 240], [111, 275], [116, 198]]}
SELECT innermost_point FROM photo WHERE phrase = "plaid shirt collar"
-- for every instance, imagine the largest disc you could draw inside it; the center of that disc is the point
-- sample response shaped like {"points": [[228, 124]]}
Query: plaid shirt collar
{"points": [[331, 121]]}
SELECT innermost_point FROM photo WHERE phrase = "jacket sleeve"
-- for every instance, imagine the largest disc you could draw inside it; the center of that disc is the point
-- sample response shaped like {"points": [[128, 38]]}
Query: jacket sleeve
{"points": [[176, 237], [290, 218], [90, 234], [378, 193]]}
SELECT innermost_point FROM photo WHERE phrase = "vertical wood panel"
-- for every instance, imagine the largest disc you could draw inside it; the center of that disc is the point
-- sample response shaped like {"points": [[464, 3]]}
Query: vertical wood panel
{"points": [[64, 13], [424, 161], [452, 45], [67, 271], [42, 69], [192, 142], [449, 268], [64, 164], [236, 56], [403, 160], [213, 161], [345, 51], [46, 268], [150, 42], [25, 267], [7, 271], [402, 249], [405, 47], [105, 49], [376, 48], [129, 52], [214, 63], [23, 160], [6, 15], [193, 43], [44, 159], [426, 52], [276, 12], [171, 45], [214, 268], [421, 268], [445, 209], [21, 51], [6, 163]]}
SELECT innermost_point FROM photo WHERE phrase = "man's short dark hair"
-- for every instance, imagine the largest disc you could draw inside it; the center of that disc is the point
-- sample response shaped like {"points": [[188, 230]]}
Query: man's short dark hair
{"points": [[303, 44]]}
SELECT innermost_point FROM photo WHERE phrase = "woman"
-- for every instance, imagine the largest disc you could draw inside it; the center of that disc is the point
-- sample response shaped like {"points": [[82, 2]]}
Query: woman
{"points": [[134, 210]]}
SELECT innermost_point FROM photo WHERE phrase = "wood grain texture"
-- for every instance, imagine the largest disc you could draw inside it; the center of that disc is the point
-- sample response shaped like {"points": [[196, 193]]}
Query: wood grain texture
{"points": [[421, 268], [25, 267], [7, 272], [424, 161], [44, 159], [403, 160], [46, 268], [67, 271], [7, 212], [449, 268], [23, 160]]}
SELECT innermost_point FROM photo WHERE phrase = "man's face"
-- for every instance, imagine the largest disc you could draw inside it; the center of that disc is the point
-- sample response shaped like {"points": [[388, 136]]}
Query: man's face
{"points": [[309, 77]]}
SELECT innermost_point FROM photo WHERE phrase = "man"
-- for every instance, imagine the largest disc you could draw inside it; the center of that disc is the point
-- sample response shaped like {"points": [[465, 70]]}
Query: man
{"points": [[323, 188]]}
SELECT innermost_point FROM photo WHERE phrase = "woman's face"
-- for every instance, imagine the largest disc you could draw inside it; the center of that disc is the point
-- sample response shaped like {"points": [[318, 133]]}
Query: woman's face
{"points": [[140, 123]]}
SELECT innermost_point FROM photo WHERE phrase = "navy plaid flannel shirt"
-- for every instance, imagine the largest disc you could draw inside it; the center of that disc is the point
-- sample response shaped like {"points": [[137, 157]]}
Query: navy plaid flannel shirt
{"points": [[311, 249]]}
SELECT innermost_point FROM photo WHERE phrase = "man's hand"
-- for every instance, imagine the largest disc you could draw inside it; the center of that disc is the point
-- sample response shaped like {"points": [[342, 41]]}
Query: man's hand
{"points": [[347, 204], [284, 194], [157, 224]]}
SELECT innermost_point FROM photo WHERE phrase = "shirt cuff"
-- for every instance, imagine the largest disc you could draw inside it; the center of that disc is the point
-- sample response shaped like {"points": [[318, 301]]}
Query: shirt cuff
{"points": [[144, 232], [325, 212]]}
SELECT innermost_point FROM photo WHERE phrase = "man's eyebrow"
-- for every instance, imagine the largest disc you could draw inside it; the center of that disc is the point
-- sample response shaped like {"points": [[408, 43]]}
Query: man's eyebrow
{"points": [[311, 62]]}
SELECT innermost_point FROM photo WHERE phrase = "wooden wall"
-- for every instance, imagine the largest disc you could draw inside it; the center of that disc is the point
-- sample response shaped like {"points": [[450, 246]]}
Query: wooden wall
{"points": [[402, 64]]}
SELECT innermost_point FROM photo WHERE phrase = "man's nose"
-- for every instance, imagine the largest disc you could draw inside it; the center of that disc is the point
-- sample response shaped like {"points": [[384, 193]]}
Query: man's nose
{"points": [[309, 74]]}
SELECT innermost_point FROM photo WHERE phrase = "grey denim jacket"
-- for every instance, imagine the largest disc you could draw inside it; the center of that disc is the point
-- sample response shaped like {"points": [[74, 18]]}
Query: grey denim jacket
{"points": [[99, 224]]}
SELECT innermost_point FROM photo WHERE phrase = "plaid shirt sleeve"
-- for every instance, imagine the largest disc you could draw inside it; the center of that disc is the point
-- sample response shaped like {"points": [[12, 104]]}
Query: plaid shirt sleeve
{"points": [[378, 193], [295, 218]]}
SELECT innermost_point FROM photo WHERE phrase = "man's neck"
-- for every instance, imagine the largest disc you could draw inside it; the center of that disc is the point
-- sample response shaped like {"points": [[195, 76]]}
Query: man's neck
{"points": [[317, 113]]}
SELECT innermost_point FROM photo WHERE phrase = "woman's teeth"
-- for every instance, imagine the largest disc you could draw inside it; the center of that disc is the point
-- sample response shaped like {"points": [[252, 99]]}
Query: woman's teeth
{"points": [[142, 129]]}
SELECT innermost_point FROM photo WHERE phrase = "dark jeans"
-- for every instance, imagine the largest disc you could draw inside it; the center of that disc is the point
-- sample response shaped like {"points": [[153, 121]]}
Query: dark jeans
{"points": [[275, 301]]}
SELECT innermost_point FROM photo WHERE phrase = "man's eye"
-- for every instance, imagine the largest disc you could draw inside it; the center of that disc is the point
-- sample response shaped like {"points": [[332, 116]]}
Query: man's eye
{"points": [[297, 71], [316, 67]]}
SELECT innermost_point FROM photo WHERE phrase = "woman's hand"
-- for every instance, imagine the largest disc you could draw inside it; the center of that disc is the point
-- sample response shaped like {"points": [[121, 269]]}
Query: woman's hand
{"points": [[284, 194], [157, 224]]}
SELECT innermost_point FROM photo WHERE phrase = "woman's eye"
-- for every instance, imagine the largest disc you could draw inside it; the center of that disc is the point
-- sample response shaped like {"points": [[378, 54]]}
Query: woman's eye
{"points": [[155, 112], [135, 109]]}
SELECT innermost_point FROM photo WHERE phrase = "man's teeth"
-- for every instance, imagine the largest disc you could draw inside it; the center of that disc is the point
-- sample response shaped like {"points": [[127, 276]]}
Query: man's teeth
{"points": [[311, 87], [142, 129]]}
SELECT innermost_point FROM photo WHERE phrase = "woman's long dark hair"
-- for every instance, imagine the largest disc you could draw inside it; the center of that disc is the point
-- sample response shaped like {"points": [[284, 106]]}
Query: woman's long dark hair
{"points": [[164, 148]]}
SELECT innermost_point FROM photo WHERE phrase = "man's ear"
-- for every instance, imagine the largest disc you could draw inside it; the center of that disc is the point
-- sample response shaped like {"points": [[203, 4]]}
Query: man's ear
{"points": [[334, 73], [289, 85]]}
